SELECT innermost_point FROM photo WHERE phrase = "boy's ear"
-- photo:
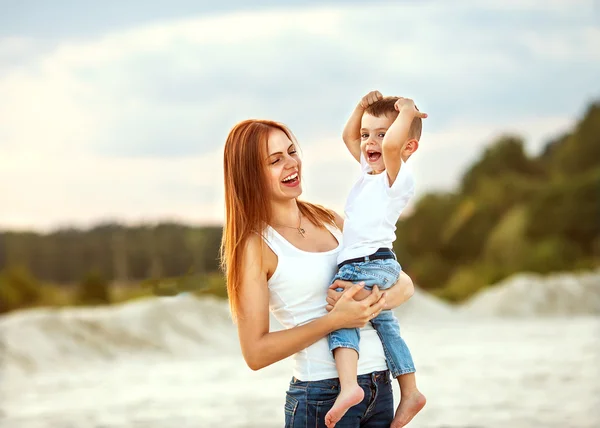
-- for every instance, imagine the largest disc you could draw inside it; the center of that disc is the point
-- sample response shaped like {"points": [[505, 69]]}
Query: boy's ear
{"points": [[410, 147]]}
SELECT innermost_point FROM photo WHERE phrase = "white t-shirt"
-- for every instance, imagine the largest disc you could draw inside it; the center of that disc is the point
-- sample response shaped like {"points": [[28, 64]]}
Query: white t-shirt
{"points": [[372, 210], [297, 295]]}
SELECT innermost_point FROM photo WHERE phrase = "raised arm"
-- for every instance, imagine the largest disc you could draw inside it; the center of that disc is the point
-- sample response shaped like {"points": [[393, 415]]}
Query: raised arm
{"points": [[260, 347], [396, 139], [351, 133]]}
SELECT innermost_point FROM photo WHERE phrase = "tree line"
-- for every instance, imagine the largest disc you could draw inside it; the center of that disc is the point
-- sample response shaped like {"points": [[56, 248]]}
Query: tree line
{"points": [[120, 253], [512, 212]]}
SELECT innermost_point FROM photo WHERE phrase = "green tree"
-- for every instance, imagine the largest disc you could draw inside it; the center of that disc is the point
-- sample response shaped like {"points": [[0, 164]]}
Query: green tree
{"points": [[18, 289], [503, 157], [580, 151], [507, 247], [93, 290], [569, 209], [422, 232]]}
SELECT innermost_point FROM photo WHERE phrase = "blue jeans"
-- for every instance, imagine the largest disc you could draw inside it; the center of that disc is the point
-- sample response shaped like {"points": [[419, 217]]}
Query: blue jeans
{"points": [[307, 403], [384, 274]]}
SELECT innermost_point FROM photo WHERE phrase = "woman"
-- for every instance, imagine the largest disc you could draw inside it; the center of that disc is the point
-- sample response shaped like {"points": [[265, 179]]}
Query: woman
{"points": [[279, 254]]}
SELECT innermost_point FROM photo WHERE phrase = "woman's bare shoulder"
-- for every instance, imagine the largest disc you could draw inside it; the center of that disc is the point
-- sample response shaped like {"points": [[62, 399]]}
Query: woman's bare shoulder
{"points": [[253, 244], [259, 256]]}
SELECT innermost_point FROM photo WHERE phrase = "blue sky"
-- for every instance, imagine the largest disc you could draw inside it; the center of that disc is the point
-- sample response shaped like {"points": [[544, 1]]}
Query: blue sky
{"points": [[75, 18], [119, 110]]}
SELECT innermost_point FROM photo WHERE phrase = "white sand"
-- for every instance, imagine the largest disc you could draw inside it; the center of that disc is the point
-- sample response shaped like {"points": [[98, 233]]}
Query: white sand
{"points": [[527, 295], [175, 362]]}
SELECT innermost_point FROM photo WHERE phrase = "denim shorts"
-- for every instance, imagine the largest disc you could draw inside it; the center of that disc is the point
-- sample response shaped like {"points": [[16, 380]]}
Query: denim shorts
{"points": [[307, 403], [383, 273]]}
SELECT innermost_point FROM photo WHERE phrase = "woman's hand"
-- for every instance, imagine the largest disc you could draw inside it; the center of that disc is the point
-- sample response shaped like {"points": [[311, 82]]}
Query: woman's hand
{"points": [[351, 313], [333, 295], [396, 295]]}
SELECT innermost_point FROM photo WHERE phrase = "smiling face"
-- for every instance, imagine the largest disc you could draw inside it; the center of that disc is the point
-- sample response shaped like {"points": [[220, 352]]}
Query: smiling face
{"points": [[372, 131], [284, 167]]}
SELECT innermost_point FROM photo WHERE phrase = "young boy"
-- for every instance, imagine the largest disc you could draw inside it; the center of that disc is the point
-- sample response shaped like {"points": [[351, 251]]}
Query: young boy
{"points": [[381, 134]]}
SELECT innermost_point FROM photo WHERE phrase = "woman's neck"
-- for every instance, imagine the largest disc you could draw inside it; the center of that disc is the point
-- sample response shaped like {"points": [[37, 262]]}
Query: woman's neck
{"points": [[285, 213]]}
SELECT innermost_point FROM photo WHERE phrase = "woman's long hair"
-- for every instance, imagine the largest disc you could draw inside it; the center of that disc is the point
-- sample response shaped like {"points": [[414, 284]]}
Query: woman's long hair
{"points": [[247, 204]]}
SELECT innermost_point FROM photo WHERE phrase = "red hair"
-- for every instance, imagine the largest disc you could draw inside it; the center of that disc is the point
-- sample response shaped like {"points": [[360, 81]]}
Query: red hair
{"points": [[247, 206]]}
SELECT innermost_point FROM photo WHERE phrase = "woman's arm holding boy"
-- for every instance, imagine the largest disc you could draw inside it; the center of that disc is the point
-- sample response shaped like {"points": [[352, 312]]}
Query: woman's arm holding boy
{"points": [[259, 346], [396, 295]]}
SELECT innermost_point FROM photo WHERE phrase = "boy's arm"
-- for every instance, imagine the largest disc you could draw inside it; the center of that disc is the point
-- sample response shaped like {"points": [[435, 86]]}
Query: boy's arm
{"points": [[396, 137], [351, 133]]}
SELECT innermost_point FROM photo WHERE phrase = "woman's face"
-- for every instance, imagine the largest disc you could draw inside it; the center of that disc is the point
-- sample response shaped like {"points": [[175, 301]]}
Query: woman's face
{"points": [[284, 166]]}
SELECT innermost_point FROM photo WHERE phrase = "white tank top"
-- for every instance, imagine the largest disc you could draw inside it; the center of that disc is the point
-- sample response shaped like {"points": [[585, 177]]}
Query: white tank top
{"points": [[297, 292]]}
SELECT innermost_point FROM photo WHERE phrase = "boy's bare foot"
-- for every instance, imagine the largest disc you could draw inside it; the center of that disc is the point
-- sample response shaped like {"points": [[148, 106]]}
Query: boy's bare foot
{"points": [[410, 405], [348, 397]]}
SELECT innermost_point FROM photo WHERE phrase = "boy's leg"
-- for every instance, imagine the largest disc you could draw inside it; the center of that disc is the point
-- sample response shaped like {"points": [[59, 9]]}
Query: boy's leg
{"points": [[345, 337], [402, 367], [385, 273], [344, 345], [346, 362], [411, 400], [398, 356]]}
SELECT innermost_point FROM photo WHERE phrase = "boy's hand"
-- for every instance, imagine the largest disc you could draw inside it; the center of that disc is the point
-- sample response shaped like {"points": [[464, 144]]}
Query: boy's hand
{"points": [[370, 98], [406, 104], [351, 133]]}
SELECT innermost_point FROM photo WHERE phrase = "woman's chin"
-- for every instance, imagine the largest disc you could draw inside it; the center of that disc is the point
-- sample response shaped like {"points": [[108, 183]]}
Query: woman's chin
{"points": [[290, 192], [295, 192]]}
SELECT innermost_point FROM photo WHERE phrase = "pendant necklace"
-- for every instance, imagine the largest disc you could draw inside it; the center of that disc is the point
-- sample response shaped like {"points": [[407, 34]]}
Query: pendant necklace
{"points": [[299, 228]]}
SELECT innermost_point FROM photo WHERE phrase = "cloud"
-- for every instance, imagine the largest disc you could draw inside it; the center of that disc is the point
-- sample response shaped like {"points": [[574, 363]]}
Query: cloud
{"points": [[128, 123]]}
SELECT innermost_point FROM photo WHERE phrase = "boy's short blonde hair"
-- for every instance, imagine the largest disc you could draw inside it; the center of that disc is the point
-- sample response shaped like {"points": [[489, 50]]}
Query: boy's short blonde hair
{"points": [[385, 107]]}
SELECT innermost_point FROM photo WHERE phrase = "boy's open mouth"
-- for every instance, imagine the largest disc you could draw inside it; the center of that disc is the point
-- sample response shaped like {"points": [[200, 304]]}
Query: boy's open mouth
{"points": [[373, 156]]}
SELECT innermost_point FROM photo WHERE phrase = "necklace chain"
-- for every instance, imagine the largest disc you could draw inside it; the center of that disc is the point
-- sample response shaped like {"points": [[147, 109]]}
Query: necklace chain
{"points": [[299, 228]]}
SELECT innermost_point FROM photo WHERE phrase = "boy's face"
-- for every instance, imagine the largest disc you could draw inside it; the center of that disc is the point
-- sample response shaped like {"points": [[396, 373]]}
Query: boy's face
{"points": [[372, 131]]}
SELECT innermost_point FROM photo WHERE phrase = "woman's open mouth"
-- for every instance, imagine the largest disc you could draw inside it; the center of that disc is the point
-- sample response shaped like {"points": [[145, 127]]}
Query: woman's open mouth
{"points": [[373, 156], [291, 180]]}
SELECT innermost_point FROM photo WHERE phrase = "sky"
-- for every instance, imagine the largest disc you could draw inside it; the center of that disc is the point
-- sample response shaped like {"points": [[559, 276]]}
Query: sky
{"points": [[118, 111]]}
